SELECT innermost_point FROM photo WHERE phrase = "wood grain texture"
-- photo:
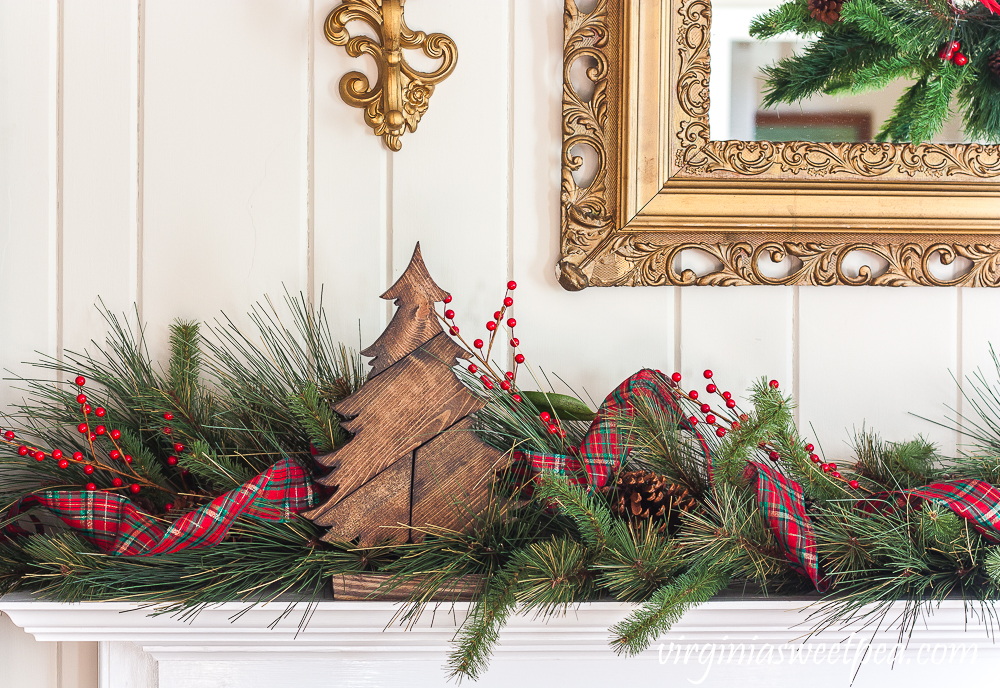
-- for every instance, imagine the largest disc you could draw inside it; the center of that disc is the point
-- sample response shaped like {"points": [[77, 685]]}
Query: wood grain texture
{"points": [[373, 514], [414, 322], [451, 479], [396, 412]]}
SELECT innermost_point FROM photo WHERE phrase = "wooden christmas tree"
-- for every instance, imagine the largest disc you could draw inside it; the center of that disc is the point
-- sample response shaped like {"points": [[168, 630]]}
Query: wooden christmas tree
{"points": [[413, 459]]}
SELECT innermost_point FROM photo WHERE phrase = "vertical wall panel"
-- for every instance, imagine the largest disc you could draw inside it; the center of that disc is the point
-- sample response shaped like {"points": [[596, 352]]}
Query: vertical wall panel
{"points": [[741, 334], [980, 330], [225, 168], [29, 219], [596, 338], [874, 357], [100, 99], [350, 195], [25, 662]]}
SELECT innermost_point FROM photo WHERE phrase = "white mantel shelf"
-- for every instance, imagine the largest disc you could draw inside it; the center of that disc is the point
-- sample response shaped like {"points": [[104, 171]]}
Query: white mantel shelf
{"points": [[359, 642]]}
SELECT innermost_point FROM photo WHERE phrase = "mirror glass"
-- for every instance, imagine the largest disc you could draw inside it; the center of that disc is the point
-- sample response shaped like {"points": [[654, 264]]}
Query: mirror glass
{"points": [[737, 85]]}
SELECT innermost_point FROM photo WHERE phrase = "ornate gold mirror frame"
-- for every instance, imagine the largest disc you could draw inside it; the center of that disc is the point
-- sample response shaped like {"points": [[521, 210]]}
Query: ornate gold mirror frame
{"points": [[662, 186]]}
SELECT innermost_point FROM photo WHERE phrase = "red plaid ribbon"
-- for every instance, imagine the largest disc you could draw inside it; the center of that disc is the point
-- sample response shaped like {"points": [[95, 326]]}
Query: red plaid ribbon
{"points": [[782, 504], [117, 527], [974, 500], [605, 445]]}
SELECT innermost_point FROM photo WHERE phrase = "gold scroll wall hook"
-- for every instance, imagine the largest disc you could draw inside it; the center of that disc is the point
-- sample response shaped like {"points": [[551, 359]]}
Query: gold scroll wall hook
{"points": [[400, 95]]}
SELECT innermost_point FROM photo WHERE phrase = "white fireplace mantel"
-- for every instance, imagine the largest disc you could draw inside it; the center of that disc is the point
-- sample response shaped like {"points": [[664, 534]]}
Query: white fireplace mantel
{"points": [[358, 644]]}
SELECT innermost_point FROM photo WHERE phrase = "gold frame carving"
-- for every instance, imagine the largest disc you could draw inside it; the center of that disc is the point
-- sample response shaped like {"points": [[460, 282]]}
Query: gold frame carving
{"points": [[401, 94], [662, 186]]}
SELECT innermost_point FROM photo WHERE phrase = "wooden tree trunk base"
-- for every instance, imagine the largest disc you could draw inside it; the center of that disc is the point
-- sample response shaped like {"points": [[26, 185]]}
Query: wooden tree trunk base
{"points": [[364, 586]]}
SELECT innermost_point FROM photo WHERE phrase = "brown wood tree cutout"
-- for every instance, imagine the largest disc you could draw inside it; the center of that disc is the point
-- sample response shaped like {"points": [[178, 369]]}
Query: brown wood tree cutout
{"points": [[413, 459]]}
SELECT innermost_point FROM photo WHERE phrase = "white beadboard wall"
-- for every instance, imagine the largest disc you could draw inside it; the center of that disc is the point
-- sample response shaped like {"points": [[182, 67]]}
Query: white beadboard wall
{"points": [[191, 156]]}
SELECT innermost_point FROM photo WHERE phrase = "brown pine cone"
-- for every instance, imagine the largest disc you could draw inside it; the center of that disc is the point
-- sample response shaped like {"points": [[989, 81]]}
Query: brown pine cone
{"points": [[641, 495], [994, 63], [827, 11]]}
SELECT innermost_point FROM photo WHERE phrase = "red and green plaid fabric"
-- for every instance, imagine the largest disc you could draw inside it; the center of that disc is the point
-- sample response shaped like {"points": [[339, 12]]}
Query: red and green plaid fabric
{"points": [[782, 504], [117, 527], [606, 443], [974, 500]]}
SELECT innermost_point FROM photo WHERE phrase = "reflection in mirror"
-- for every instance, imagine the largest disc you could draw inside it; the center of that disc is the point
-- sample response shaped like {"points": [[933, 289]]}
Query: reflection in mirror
{"points": [[738, 84]]}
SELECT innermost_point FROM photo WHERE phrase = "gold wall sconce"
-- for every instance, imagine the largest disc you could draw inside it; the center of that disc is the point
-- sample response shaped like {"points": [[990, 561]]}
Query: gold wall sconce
{"points": [[401, 94]]}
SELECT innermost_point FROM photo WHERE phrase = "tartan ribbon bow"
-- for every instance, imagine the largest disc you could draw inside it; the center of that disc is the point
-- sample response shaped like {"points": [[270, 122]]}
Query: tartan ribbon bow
{"points": [[974, 500], [117, 527], [606, 443]]}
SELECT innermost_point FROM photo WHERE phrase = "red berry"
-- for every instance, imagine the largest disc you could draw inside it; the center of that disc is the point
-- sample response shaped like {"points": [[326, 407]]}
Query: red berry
{"points": [[447, 299], [707, 374], [553, 429], [835, 474], [711, 389], [814, 458], [450, 314], [91, 487], [519, 358], [178, 448], [168, 416], [693, 420], [134, 489], [57, 454], [730, 403], [710, 419], [511, 322], [78, 456], [100, 429], [509, 375], [171, 460], [473, 368], [63, 463], [512, 285], [833, 466], [453, 329], [115, 434], [809, 447], [478, 343], [93, 437], [491, 325], [88, 469], [497, 315], [854, 484], [167, 430], [86, 409], [721, 432], [40, 456], [773, 384], [82, 428], [517, 398], [22, 450], [676, 377], [117, 482], [169, 506], [100, 411], [736, 425], [727, 395], [81, 398], [115, 454], [943, 53], [954, 45], [504, 385], [9, 435], [128, 459], [705, 408], [693, 394], [80, 380], [515, 342], [744, 417], [960, 59], [508, 302], [544, 415], [774, 456], [825, 467], [488, 384]]}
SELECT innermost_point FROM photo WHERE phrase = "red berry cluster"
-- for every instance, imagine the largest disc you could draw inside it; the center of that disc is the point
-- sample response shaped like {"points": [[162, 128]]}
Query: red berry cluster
{"points": [[949, 53], [484, 370], [720, 420], [125, 477]]}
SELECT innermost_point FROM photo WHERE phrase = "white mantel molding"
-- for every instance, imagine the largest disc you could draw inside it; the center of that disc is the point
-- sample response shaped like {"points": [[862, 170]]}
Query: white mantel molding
{"points": [[361, 634]]}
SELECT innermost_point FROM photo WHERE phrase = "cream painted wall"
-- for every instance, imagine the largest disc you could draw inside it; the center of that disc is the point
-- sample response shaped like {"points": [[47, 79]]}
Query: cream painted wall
{"points": [[190, 156]]}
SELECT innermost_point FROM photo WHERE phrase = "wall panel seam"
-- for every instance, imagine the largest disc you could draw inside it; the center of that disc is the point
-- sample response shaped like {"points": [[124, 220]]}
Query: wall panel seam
{"points": [[57, 249], [310, 190]]}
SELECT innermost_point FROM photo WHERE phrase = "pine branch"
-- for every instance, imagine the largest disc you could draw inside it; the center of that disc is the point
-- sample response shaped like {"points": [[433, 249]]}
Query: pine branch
{"points": [[317, 418], [789, 17], [592, 517]]}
